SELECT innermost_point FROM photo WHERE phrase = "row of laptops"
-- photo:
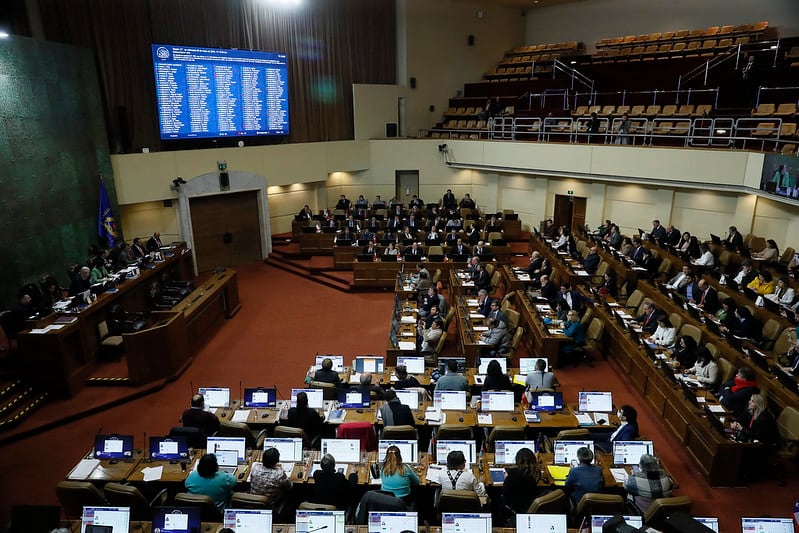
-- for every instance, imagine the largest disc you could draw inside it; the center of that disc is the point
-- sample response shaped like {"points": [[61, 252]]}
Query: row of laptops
{"points": [[187, 520]]}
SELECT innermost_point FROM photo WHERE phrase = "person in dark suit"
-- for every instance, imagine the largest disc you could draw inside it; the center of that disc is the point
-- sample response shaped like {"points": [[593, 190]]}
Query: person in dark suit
{"points": [[305, 213], [304, 417], [756, 423], [407, 236], [343, 203], [467, 202], [472, 234], [535, 263], [571, 297], [591, 261], [671, 237], [394, 412], [658, 231], [413, 250], [638, 252], [370, 248], [481, 278], [460, 248], [585, 477], [331, 487], [82, 281], [197, 417], [480, 249], [747, 326], [483, 302], [416, 202], [734, 238], [125, 257], [138, 250], [452, 237], [404, 381], [648, 319], [496, 313], [449, 199], [154, 243], [708, 298], [627, 430], [326, 374], [548, 290]]}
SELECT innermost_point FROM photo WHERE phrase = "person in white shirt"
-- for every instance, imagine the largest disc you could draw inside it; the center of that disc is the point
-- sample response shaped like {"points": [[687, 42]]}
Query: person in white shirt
{"points": [[665, 334], [680, 279], [458, 477], [706, 259], [783, 294]]}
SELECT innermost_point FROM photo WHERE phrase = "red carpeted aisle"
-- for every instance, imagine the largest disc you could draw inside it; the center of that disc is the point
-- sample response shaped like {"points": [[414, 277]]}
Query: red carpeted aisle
{"points": [[284, 321]]}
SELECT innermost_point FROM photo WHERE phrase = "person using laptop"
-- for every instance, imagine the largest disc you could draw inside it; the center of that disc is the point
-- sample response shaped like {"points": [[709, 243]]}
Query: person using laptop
{"points": [[648, 484], [648, 319], [458, 477], [374, 391], [520, 487], [763, 284], [393, 412], [197, 417], [627, 430], [211, 481], [705, 370], [585, 477], [397, 477], [684, 354], [331, 487], [404, 380], [665, 333], [496, 379], [304, 417], [451, 380], [539, 378], [268, 478], [746, 274], [326, 374]]}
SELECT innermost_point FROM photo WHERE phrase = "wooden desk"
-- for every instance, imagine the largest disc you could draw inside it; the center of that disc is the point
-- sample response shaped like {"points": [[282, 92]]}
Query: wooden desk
{"points": [[207, 307], [539, 342], [317, 243]]}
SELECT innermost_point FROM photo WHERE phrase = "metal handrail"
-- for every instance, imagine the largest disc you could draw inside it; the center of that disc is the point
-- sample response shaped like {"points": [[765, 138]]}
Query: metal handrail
{"points": [[573, 73]]}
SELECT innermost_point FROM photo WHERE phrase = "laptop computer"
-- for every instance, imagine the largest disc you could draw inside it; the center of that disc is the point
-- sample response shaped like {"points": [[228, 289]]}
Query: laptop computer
{"points": [[248, 520], [505, 450], [227, 460], [466, 523], [535, 523], [116, 517], [176, 519], [237, 444], [392, 522]]}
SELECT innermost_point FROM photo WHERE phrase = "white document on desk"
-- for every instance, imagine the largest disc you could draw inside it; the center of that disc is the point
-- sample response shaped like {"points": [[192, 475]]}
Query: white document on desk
{"points": [[407, 345], [584, 419], [467, 284], [555, 331], [152, 473], [480, 328], [476, 315], [619, 474], [581, 273], [355, 378], [472, 302], [543, 308], [240, 415], [407, 319], [485, 418], [716, 408], [433, 472], [84, 469]]}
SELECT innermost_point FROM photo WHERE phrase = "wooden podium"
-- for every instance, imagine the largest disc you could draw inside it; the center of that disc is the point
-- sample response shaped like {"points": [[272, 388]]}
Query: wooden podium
{"points": [[159, 351]]}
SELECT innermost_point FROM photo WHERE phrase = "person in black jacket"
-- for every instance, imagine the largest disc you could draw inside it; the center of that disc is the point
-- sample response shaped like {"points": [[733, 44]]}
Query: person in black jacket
{"points": [[735, 394], [304, 417], [495, 379], [331, 487], [394, 412]]}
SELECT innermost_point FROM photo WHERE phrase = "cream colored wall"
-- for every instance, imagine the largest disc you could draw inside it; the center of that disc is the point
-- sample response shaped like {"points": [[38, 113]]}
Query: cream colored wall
{"points": [[144, 219], [285, 201], [373, 107], [778, 221], [437, 53]]}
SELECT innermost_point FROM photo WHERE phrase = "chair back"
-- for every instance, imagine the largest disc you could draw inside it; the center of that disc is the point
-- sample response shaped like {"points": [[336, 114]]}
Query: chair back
{"points": [[726, 369], [120, 495], [555, 502], [595, 330], [784, 341], [635, 299], [245, 500], [504, 433], [788, 428], [597, 503], [512, 317], [195, 437], [74, 495], [662, 508], [102, 329], [458, 501], [692, 331], [676, 320], [208, 509], [587, 316], [311, 506], [454, 432], [364, 431], [714, 351], [329, 390], [237, 429], [288, 432], [771, 330], [448, 319], [400, 433], [572, 434]]}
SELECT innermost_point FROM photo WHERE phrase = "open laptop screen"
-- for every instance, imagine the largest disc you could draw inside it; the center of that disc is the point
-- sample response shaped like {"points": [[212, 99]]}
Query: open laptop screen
{"points": [[527, 364], [176, 519], [505, 450], [497, 401], [485, 361], [449, 400], [113, 446], [290, 449], [409, 449], [629, 452], [767, 525], [248, 520], [213, 444], [414, 365], [338, 362], [368, 364], [354, 399], [168, 448], [116, 517], [468, 447], [260, 397], [409, 398], [215, 396], [327, 521], [595, 401], [343, 450], [711, 522], [316, 398], [598, 520], [393, 522], [535, 523], [466, 523], [566, 450]]}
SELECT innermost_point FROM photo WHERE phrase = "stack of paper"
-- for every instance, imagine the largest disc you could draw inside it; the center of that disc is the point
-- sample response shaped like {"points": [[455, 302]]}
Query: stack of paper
{"points": [[584, 419], [241, 415], [84, 469]]}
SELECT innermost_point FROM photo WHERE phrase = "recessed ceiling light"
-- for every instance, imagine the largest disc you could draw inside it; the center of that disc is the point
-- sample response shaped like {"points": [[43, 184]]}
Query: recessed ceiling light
{"points": [[4, 35]]}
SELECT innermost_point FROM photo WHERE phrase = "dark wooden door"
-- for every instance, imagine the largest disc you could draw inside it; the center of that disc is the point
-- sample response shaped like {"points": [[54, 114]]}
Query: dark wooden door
{"points": [[569, 211], [226, 230]]}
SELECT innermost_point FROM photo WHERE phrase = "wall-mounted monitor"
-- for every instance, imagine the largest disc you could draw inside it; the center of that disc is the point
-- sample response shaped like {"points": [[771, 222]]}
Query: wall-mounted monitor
{"points": [[218, 92]]}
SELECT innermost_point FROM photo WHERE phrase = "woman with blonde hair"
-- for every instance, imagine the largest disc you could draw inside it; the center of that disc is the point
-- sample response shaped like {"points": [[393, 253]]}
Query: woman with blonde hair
{"points": [[395, 476], [756, 423]]}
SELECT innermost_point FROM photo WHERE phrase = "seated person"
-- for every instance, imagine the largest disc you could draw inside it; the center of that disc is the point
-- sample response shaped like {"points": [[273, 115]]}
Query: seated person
{"points": [[331, 487], [197, 417], [585, 477], [428, 337], [627, 430], [304, 417], [609, 285], [520, 487], [404, 380], [573, 329], [495, 379], [458, 477], [540, 378], [591, 261], [125, 257], [326, 374], [763, 284], [139, 251], [343, 203], [268, 478], [648, 319], [497, 337], [549, 290], [378, 203], [483, 302], [705, 370], [460, 248], [211, 481], [756, 424], [665, 333], [467, 202], [734, 395], [371, 248], [648, 484], [770, 254], [744, 325], [361, 202], [783, 293], [395, 476], [746, 274], [790, 358], [394, 412], [706, 298], [428, 299], [82, 282], [481, 278], [374, 391], [684, 354], [452, 380], [99, 272], [678, 282], [705, 258]]}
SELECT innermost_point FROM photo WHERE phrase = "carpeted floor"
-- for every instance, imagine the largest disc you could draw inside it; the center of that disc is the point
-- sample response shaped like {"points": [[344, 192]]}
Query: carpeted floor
{"points": [[284, 321]]}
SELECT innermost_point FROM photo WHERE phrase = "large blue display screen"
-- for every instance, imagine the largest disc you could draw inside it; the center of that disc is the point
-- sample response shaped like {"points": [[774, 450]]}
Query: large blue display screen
{"points": [[217, 92]]}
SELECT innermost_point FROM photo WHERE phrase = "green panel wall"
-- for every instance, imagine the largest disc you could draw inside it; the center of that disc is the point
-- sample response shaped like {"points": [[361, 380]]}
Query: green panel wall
{"points": [[52, 145]]}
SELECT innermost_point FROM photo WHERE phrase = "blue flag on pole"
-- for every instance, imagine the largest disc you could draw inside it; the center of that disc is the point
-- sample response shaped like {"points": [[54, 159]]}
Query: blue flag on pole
{"points": [[106, 223]]}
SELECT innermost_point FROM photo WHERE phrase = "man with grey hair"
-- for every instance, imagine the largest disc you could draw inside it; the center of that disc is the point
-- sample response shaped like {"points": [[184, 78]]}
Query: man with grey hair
{"points": [[366, 386], [649, 483], [330, 487]]}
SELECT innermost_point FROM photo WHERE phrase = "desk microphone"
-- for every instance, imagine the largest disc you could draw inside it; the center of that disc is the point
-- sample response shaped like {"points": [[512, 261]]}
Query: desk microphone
{"points": [[146, 448], [94, 446], [241, 393]]}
